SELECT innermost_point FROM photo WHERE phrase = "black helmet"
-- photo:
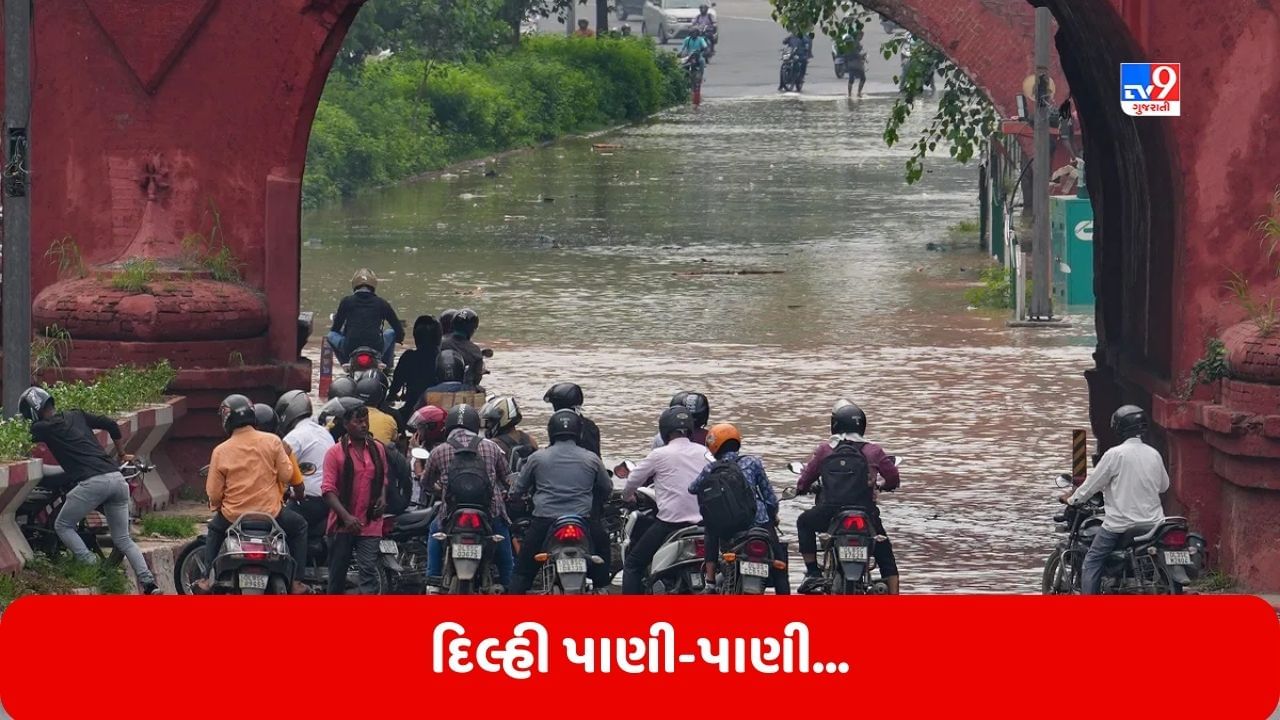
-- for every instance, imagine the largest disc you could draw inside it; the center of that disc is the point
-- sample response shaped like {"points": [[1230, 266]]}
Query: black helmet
{"points": [[847, 418], [34, 399], [677, 400], [342, 387], [564, 424], [462, 416], [372, 388], [236, 411], [446, 321], [698, 407], [292, 407], [1129, 421], [673, 421], [450, 367], [466, 322], [564, 396], [264, 418]]}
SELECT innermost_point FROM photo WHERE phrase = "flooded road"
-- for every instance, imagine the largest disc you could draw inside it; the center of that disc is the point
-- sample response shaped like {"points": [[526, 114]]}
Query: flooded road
{"points": [[584, 264]]}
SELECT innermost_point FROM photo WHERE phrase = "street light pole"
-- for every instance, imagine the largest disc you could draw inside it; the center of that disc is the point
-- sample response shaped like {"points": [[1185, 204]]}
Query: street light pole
{"points": [[1042, 256], [17, 206]]}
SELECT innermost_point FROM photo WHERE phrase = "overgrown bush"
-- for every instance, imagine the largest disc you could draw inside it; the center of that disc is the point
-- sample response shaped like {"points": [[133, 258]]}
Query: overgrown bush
{"points": [[996, 291], [400, 116]]}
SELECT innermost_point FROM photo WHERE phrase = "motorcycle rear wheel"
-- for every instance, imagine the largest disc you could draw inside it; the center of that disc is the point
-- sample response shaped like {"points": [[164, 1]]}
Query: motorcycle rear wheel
{"points": [[189, 567]]}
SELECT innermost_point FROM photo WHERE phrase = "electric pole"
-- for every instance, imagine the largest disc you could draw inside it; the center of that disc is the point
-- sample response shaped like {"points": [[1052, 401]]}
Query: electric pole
{"points": [[1041, 253], [16, 276]]}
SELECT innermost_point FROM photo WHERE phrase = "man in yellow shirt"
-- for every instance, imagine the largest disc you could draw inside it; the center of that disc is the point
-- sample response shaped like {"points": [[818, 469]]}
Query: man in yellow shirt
{"points": [[372, 389], [249, 473]]}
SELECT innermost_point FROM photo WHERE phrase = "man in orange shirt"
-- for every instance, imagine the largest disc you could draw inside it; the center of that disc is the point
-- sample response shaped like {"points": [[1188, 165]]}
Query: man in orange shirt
{"points": [[584, 30], [249, 473]]}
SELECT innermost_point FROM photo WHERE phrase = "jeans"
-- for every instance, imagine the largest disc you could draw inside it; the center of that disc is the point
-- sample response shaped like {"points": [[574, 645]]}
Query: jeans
{"points": [[368, 556], [535, 539], [338, 342], [641, 553], [817, 518], [111, 491], [1091, 574], [295, 532], [504, 559]]}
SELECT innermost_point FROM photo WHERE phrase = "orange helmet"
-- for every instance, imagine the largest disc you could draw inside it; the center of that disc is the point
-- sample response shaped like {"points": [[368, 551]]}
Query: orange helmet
{"points": [[721, 433]]}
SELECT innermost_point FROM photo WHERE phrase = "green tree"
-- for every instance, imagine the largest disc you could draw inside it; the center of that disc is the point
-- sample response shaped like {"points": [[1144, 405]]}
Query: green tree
{"points": [[443, 30]]}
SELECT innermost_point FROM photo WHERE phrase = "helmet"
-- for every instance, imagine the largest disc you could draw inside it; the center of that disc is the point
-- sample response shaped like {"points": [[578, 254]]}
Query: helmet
{"points": [[564, 424], [466, 322], [450, 367], [677, 400], [499, 414], [446, 321], [462, 416], [34, 399], [342, 387], [292, 407], [704, 9], [721, 433], [1129, 421], [563, 396], [695, 31], [372, 388], [428, 418], [698, 407], [675, 420], [364, 277], [336, 409], [847, 418], [264, 418], [236, 411]]}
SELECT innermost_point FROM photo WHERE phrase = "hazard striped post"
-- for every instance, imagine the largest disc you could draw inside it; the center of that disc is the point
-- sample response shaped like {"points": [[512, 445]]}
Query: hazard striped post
{"points": [[1079, 455], [326, 368]]}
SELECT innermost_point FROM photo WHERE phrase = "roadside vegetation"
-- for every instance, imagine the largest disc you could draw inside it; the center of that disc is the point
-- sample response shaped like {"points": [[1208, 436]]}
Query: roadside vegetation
{"points": [[996, 290], [170, 526], [61, 576]]}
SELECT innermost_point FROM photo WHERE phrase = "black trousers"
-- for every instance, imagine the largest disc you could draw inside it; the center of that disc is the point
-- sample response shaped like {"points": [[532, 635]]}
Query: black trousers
{"points": [[535, 539], [366, 549], [315, 511], [817, 518], [641, 553], [289, 520], [781, 583]]}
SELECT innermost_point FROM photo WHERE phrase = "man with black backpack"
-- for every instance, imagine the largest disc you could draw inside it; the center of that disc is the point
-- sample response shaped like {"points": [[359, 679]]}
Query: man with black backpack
{"points": [[468, 470], [851, 470], [734, 494]]}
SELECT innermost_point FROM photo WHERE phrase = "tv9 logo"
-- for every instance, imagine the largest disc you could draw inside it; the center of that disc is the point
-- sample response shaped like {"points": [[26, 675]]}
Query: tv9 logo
{"points": [[1151, 88]]}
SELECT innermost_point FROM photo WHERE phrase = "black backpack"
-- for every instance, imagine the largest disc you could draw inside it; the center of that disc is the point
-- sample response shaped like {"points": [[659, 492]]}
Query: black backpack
{"points": [[468, 482], [846, 477], [727, 502]]}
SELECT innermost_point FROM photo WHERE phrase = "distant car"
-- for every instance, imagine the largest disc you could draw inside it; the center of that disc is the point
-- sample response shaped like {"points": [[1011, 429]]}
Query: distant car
{"points": [[628, 8], [671, 19]]}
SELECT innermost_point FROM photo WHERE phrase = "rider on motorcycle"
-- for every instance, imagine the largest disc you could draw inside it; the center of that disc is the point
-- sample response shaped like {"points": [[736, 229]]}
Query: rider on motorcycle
{"points": [[358, 321], [725, 441], [1131, 477], [465, 324], [249, 472], [699, 408], [564, 479], [265, 419], [427, 425], [451, 374], [462, 425], [416, 369], [848, 424], [500, 417], [568, 396], [372, 389], [69, 436], [308, 442], [695, 45], [672, 468], [356, 480]]}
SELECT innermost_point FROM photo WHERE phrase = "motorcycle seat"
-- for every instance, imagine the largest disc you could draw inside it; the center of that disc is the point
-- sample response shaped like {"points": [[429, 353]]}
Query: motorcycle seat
{"points": [[753, 532], [1136, 534], [414, 520], [258, 524]]}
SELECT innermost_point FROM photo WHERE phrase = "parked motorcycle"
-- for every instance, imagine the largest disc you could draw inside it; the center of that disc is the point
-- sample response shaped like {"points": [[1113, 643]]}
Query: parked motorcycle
{"points": [[1158, 559], [792, 72], [676, 569], [566, 558], [36, 515]]}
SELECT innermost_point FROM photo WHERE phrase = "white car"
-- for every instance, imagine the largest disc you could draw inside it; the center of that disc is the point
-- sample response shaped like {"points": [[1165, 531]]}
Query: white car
{"points": [[671, 19]]}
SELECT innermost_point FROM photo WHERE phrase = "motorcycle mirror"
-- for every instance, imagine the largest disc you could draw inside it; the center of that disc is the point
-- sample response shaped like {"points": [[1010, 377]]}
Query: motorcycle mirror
{"points": [[204, 472], [623, 469], [788, 493], [795, 467], [897, 460], [420, 453], [307, 468], [487, 352], [1063, 480]]}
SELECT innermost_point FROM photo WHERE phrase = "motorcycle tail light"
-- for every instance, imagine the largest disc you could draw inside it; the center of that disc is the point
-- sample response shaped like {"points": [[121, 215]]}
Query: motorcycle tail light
{"points": [[757, 549], [699, 547], [255, 551], [569, 533], [469, 520], [856, 523], [1174, 539], [363, 362]]}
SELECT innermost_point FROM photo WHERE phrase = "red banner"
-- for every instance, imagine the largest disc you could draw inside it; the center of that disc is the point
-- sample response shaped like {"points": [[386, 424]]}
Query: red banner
{"points": [[624, 657]]}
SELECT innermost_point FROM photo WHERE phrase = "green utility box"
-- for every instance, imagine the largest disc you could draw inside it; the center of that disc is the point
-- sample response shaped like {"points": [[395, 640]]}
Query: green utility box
{"points": [[1071, 229]]}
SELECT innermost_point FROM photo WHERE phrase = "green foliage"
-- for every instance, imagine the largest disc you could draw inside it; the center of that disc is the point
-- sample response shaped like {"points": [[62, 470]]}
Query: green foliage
{"points": [[59, 576], [172, 526], [1209, 368], [134, 275], [66, 252], [964, 227], [401, 116], [447, 30], [211, 252], [49, 348], [996, 291], [1215, 582], [15, 439], [1263, 311]]}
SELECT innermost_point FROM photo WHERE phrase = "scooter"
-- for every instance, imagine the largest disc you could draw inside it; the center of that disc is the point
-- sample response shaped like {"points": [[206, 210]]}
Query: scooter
{"points": [[676, 569]]}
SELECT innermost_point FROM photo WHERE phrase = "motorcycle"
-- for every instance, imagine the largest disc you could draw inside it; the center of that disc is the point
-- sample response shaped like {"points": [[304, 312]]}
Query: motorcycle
{"points": [[470, 546], [566, 557], [363, 361], [36, 515], [676, 569], [1158, 559], [693, 72], [746, 562], [792, 76]]}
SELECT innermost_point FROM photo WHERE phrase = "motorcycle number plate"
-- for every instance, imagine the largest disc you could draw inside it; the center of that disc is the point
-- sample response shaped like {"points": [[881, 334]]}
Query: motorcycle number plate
{"points": [[388, 547], [754, 569], [571, 565], [253, 582], [852, 553], [1177, 558], [467, 552]]}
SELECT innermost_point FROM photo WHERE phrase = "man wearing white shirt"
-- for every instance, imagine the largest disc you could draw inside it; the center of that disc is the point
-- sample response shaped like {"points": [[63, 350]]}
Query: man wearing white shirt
{"points": [[309, 442], [672, 468], [1131, 477]]}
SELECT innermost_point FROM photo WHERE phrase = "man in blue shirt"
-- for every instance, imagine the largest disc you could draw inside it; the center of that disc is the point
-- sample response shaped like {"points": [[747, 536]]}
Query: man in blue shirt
{"points": [[725, 441]]}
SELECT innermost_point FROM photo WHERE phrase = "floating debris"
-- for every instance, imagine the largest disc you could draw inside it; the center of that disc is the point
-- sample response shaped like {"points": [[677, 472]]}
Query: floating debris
{"points": [[743, 271]]}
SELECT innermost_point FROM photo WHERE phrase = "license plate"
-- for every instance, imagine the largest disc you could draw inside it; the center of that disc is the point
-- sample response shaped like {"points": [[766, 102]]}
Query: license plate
{"points": [[388, 547], [1177, 558], [253, 582], [467, 552], [853, 553], [571, 565], [754, 569]]}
